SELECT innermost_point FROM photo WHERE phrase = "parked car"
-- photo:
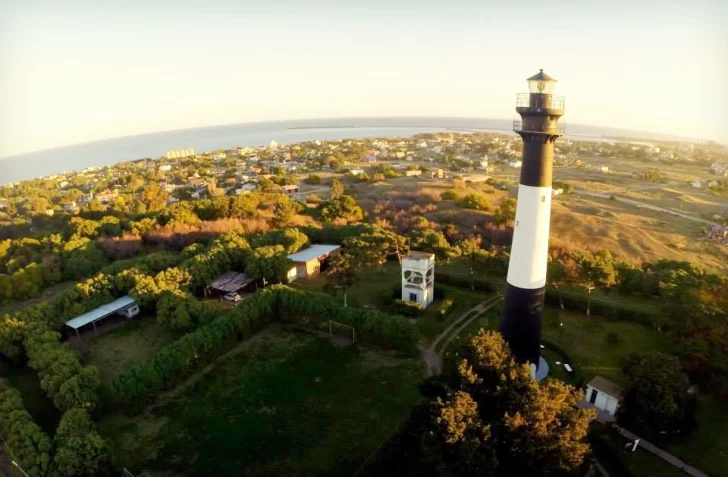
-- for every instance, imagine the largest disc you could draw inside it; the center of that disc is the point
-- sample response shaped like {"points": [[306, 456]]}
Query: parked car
{"points": [[232, 297]]}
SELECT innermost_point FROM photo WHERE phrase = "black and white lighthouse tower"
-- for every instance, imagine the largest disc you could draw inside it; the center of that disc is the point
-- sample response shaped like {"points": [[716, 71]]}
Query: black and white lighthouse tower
{"points": [[521, 323]]}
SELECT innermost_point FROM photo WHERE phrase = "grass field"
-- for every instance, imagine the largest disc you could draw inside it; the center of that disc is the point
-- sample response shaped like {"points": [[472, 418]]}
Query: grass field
{"points": [[291, 404], [134, 342], [585, 339]]}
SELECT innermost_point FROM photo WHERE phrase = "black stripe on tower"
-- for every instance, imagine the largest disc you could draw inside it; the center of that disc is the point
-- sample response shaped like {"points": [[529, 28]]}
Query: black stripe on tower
{"points": [[521, 322], [537, 160]]}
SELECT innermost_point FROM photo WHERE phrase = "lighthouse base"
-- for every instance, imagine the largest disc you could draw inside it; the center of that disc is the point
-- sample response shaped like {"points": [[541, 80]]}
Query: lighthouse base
{"points": [[542, 371]]}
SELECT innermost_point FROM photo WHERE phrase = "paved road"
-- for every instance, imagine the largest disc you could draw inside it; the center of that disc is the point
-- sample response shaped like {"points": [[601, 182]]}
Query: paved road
{"points": [[606, 418]]}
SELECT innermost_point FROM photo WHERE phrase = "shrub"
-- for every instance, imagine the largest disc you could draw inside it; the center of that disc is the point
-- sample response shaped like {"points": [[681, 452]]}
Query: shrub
{"points": [[406, 308], [464, 282], [474, 201], [445, 308], [449, 195]]}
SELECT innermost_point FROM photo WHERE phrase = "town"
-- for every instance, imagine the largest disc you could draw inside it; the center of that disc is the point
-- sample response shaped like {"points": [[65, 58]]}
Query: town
{"points": [[156, 309]]}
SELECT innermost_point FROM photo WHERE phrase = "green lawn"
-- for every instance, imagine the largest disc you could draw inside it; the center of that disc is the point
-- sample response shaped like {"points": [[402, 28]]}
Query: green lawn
{"points": [[585, 340], [291, 403], [707, 448], [376, 289], [646, 464], [115, 351]]}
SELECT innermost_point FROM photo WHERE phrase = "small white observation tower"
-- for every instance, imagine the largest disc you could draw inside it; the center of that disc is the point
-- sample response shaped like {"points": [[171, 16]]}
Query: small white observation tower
{"points": [[418, 278]]}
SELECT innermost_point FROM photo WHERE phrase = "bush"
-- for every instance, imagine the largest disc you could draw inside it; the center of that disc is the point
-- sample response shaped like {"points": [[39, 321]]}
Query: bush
{"points": [[406, 308], [445, 308], [449, 195], [614, 310], [474, 201], [313, 179]]}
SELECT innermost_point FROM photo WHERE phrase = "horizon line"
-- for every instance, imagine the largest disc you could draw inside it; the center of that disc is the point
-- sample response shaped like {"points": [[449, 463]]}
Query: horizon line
{"points": [[339, 118]]}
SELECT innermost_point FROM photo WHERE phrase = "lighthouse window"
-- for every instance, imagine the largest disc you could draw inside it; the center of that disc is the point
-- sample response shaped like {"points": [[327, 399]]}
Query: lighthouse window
{"points": [[543, 198]]}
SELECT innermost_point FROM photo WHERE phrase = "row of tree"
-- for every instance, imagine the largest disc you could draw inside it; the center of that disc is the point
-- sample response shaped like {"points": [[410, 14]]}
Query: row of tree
{"points": [[76, 450]]}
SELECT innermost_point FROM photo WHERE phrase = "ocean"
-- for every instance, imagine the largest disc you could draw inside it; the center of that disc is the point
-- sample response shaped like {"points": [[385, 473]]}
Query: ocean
{"points": [[154, 145]]}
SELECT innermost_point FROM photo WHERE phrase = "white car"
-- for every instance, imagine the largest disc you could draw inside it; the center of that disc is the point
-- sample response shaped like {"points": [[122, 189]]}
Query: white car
{"points": [[232, 297]]}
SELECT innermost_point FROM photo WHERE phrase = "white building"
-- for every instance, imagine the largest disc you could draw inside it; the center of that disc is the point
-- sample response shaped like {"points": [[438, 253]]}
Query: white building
{"points": [[604, 395], [697, 184], [273, 145], [418, 278], [515, 164], [177, 153], [356, 172]]}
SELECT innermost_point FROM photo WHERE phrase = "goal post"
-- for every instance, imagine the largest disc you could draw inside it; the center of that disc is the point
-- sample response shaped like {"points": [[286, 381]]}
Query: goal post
{"points": [[335, 326]]}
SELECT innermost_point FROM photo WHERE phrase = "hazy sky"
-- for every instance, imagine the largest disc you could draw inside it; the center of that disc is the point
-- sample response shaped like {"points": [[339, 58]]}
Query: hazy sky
{"points": [[74, 71]]}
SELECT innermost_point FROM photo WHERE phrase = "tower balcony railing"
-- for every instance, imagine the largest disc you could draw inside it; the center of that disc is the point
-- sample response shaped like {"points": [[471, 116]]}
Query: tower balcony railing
{"points": [[523, 100], [558, 129]]}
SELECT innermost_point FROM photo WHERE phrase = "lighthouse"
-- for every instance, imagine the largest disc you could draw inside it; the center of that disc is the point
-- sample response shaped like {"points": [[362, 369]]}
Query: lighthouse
{"points": [[526, 280]]}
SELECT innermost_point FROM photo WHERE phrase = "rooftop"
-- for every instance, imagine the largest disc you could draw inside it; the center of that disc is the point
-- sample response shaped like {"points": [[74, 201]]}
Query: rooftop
{"points": [[231, 281], [100, 312], [312, 252], [415, 255], [606, 386]]}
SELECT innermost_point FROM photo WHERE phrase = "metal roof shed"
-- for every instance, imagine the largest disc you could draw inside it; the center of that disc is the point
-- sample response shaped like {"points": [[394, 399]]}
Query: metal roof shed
{"points": [[231, 282], [313, 252], [100, 313]]}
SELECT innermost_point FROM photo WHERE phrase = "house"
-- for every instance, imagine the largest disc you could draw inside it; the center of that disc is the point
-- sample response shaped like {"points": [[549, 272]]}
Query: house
{"points": [[70, 206], [356, 172], [370, 158], [308, 262], [49, 212], [555, 192], [86, 198], [399, 154], [247, 187], [289, 190], [515, 164], [165, 168], [604, 395], [437, 173], [697, 184], [604, 169], [107, 196], [413, 173]]}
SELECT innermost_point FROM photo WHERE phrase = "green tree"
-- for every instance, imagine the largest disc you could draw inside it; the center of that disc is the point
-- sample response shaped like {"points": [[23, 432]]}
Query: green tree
{"points": [[337, 189], [80, 450], [473, 201], [656, 398], [341, 275], [342, 208], [506, 211], [492, 418]]}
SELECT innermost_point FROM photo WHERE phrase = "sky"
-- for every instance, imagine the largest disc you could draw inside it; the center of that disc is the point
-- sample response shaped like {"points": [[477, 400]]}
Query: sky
{"points": [[77, 71]]}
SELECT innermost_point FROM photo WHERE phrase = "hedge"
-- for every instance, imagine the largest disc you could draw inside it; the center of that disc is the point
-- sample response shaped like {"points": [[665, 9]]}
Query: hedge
{"points": [[464, 282], [176, 361], [614, 310]]}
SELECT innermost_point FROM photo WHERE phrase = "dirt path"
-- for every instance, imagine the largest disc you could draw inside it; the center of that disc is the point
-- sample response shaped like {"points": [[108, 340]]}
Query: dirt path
{"points": [[431, 356]]}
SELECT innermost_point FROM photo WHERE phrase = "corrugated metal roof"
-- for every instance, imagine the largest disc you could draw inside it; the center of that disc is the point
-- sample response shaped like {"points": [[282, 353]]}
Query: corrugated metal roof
{"points": [[312, 252], [231, 281], [100, 312]]}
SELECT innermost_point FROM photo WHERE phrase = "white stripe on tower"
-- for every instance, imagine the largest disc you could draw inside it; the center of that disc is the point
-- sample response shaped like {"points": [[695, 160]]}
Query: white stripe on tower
{"points": [[530, 247]]}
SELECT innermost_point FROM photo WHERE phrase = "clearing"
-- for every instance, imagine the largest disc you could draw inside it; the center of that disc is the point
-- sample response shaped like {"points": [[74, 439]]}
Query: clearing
{"points": [[291, 403]]}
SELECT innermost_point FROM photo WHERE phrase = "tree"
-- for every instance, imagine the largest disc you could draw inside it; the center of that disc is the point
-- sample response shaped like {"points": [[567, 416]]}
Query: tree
{"points": [[595, 270], [341, 275], [492, 418], [313, 179], [428, 240], [269, 263], [153, 198], [506, 211], [337, 189], [284, 211], [656, 399], [80, 450], [473, 201], [341, 208], [471, 250]]}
